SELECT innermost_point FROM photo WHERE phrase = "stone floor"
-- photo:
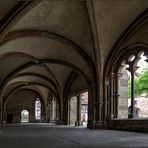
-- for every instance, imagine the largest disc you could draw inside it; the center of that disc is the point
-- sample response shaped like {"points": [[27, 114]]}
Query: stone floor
{"points": [[55, 136]]}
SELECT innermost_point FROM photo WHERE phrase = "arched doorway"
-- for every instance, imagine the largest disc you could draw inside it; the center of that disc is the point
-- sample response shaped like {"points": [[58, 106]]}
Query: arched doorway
{"points": [[24, 116]]}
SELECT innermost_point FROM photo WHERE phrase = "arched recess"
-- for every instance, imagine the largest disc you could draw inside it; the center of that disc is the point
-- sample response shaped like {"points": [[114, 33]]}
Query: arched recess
{"points": [[11, 55], [43, 108], [125, 46], [111, 83], [43, 62], [37, 75], [72, 76], [21, 86], [74, 88], [23, 34], [86, 70]]}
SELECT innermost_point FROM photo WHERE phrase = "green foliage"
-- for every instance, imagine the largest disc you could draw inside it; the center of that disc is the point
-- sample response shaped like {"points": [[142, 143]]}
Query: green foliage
{"points": [[141, 84]]}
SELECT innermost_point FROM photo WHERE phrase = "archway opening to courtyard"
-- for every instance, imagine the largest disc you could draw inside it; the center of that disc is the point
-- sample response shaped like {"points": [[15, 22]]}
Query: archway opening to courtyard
{"points": [[78, 109], [133, 87]]}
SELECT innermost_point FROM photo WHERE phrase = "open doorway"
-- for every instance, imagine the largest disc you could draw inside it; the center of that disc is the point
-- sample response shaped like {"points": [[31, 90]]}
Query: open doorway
{"points": [[24, 116]]}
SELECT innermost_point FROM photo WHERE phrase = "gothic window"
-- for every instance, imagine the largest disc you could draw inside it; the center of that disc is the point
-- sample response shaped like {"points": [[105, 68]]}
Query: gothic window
{"points": [[37, 109]]}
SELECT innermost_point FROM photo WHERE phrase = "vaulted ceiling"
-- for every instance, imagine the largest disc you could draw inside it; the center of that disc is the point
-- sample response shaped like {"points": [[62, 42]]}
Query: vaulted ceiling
{"points": [[43, 42]]}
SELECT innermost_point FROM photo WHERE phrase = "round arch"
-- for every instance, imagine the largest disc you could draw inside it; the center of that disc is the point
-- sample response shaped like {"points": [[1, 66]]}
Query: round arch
{"points": [[20, 87], [43, 107]]}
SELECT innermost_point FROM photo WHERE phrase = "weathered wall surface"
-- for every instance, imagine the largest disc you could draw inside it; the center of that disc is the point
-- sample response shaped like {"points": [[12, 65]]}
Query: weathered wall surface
{"points": [[21, 100], [129, 125]]}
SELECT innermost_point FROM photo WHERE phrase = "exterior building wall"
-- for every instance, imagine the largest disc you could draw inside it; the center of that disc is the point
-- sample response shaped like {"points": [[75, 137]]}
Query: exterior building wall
{"points": [[141, 103]]}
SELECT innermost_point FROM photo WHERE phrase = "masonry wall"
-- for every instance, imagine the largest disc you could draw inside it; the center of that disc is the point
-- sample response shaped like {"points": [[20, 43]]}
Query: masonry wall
{"points": [[129, 125], [21, 100]]}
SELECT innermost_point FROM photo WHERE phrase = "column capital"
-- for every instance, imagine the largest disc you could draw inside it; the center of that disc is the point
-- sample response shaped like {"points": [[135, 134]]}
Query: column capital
{"points": [[112, 74], [106, 83], [119, 74]]}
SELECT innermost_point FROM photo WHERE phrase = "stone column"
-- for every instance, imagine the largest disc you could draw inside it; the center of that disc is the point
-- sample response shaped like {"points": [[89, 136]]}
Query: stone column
{"points": [[50, 111], [111, 99], [92, 106], [46, 112], [116, 95], [69, 110], [78, 122], [132, 94], [132, 68], [106, 107], [65, 112]]}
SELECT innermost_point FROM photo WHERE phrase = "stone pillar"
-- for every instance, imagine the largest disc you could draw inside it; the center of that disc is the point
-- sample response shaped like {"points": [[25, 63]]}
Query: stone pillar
{"points": [[46, 112], [111, 89], [106, 107], [69, 110], [113, 100], [65, 112], [92, 106], [122, 104], [57, 111], [78, 122], [50, 111], [99, 122], [116, 95], [132, 94], [132, 68]]}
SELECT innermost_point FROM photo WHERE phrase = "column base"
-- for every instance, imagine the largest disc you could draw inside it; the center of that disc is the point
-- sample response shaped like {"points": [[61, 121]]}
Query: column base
{"points": [[91, 124]]}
